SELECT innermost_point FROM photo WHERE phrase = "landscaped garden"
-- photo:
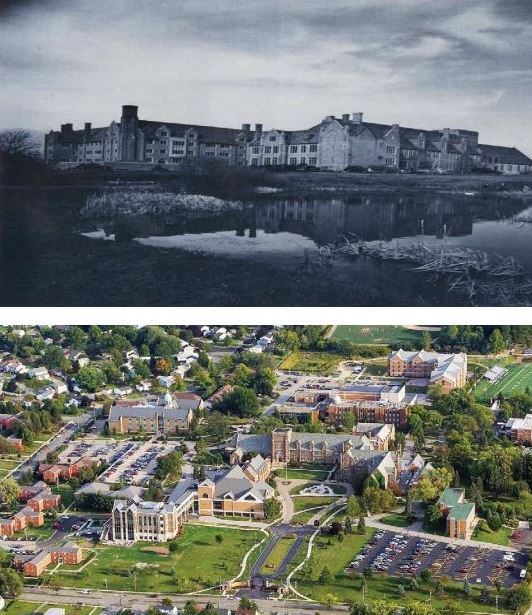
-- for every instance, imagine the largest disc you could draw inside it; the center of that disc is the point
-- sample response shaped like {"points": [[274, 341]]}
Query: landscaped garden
{"points": [[485, 534], [202, 557], [277, 555], [316, 473], [304, 502], [395, 519]]}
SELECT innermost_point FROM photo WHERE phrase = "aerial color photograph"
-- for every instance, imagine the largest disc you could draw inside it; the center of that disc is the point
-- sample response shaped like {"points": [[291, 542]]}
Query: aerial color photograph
{"points": [[249, 470], [250, 153]]}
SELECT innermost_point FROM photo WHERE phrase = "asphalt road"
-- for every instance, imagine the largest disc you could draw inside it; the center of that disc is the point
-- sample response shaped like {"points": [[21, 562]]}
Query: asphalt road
{"points": [[138, 601], [58, 440]]}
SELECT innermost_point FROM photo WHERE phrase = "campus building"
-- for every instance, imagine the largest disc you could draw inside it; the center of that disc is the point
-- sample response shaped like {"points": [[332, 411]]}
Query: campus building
{"points": [[449, 370], [169, 414], [232, 492], [520, 430], [35, 564], [133, 140], [239, 490], [460, 515], [335, 143], [133, 520], [353, 456]]}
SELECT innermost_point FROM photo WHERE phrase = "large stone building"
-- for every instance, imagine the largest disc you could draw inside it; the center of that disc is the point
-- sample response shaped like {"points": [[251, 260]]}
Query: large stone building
{"points": [[133, 140], [336, 143], [449, 370], [353, 457], [169, 414]]}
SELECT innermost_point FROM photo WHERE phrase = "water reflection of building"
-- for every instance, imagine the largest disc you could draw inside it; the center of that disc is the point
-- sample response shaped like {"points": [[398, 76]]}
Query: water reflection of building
{"points": [[378, 217]]}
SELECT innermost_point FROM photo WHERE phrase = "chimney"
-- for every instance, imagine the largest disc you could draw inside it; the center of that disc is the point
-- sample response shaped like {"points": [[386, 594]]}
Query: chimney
{"points": [[357, 117], [258, 127], [345, 117], [88, 127], [246, 127], [66, 128], [130, 111]]}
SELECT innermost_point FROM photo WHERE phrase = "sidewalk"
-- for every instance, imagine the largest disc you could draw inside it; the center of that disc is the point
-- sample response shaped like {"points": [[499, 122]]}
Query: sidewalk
{"points": [[252, 525], [374, 522]]}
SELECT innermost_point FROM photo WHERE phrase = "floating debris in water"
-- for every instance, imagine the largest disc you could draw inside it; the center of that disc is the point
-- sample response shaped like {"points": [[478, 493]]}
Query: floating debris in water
{"points": [[494, 279]]}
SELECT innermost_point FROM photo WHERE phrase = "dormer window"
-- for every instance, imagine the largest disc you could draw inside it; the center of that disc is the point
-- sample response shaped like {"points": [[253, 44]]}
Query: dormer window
{"points": [[164, 133], [192, 135]]}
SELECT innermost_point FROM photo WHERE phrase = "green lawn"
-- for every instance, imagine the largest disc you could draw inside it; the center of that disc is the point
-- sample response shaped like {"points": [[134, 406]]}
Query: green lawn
{"points": [[397, 520], [21, 607], [485, 534], [516, 380], [66, 492], [37, 533], [381, 335], [302, 473], [344, 587], [311, 362], [303, 502], [277, 555], [200, 562], [8, 464]]}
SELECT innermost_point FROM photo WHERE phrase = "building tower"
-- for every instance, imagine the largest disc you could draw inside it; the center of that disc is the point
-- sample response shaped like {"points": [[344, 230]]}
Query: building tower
{"points": [[128, 133]]}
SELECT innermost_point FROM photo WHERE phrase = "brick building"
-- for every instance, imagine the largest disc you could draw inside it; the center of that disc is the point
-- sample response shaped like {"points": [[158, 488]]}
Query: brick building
{"points": [[460, 515], [449, 370], [34, 565], [169, 414]]}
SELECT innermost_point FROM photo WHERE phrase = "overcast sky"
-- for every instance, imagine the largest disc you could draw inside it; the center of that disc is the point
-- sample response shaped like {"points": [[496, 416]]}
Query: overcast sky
{"points": [[284, 63]]}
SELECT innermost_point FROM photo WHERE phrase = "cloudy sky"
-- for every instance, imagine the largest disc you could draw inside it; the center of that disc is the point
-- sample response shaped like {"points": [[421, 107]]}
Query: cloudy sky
{"points": [[284, 63]]}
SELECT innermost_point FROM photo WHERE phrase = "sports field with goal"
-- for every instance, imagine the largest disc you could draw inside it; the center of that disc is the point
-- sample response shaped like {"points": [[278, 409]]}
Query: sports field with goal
{"points": [[516, 380]]}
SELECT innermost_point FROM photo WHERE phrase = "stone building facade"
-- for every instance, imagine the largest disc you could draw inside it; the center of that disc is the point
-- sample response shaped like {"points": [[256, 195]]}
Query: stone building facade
{"points": [[336, 143]]}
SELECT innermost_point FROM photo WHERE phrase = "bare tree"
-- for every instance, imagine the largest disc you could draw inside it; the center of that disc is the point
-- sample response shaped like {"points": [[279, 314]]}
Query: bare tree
{"points": [[18, 143]]}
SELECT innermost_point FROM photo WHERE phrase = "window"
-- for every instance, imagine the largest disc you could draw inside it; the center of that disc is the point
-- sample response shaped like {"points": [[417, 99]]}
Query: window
{"points": [[389, 162], [164, 134], [163, 142], [162, 151], [293, 161], [267, 161], [293, 149], [273, 138], [390, 149], [313, 161], [274, 160], [267, 149], [275, 149], [303, 149], [303, 160], [255, 150], [313, 148], [254, 162]]}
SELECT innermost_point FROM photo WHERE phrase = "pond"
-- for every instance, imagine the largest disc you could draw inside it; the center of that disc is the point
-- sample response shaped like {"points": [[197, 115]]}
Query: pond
{"points": [[278, 250]]}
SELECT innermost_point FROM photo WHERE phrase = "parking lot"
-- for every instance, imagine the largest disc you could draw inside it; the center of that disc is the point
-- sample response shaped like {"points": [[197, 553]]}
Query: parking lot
{"points": [[105, 450], [135, 463], [401, 555]]}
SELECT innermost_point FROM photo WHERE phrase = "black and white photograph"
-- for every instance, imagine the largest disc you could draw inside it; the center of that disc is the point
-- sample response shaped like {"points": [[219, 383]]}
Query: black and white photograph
{"points": [[250, 153]]}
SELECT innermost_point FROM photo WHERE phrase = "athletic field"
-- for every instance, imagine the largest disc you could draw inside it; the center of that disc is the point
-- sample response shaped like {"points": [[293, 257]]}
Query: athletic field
{"points": [[518, 378], [383, 335]]}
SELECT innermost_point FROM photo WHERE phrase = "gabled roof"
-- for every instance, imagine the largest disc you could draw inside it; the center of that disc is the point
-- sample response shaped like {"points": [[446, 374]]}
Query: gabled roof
{"points": [[209, 134], [506, 155]]}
